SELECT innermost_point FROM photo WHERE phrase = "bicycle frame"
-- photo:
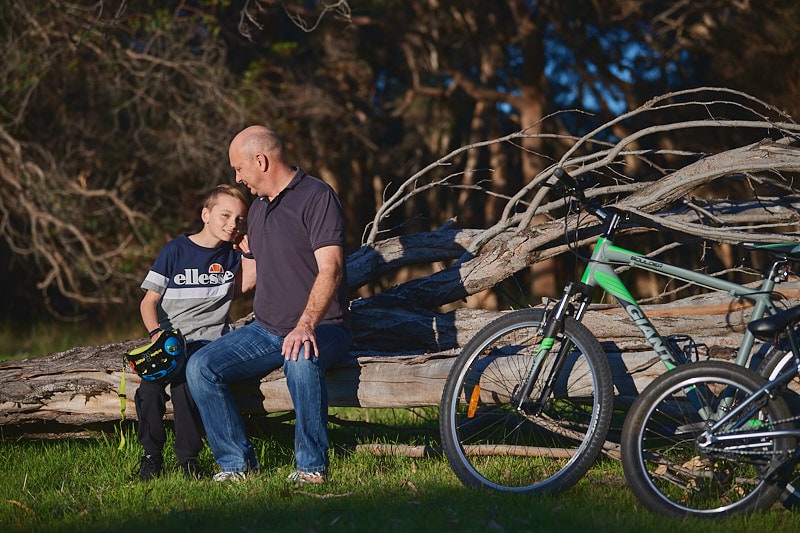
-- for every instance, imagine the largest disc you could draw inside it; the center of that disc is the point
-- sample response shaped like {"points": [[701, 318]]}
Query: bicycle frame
{"points": [[599, 273], [735, 432], [785, 323]]}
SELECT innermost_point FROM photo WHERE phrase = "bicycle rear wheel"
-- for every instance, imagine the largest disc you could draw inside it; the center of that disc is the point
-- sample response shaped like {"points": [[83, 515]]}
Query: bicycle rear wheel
{"points": [[667, 470], [543, 446]]}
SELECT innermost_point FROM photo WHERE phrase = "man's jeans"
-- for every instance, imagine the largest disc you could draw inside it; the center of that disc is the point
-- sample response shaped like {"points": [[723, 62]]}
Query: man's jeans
{"points": [[252, 351]]}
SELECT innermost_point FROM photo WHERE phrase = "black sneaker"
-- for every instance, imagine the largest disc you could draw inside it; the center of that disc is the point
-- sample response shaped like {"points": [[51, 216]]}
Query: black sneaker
{"points": [[150, 467], [190, 469]]}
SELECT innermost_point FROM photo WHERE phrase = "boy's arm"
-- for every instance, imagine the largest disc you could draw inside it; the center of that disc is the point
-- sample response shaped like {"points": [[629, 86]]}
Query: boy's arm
{"points": [[148, 309]]}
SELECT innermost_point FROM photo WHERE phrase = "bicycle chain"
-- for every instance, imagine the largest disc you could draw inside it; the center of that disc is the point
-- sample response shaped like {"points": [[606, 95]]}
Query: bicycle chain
{"points": [[728, 451]]}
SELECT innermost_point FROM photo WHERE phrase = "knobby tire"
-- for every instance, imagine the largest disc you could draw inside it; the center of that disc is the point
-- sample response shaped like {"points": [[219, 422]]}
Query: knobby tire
{"points": [[666, 469], [543, 448]]}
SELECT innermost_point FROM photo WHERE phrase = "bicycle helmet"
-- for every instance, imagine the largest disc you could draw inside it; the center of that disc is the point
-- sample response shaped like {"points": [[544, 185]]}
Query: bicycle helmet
{"points": [[161, 358]]}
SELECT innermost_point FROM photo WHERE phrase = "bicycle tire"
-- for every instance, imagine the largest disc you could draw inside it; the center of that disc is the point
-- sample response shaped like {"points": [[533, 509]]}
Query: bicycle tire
{"points": [[774, 363], [663, 465], [497, 446]]}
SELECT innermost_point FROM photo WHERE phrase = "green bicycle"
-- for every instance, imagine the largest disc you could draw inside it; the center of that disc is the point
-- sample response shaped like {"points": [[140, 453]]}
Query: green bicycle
{"points": [[528, 403]]}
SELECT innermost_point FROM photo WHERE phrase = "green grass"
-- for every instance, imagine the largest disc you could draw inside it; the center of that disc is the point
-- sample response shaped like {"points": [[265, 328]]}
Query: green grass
{"points": [[90, 485]]}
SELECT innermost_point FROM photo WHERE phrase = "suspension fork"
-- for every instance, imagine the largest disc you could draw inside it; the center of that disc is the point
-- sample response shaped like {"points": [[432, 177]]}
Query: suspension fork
{"points": [[553, 324]]}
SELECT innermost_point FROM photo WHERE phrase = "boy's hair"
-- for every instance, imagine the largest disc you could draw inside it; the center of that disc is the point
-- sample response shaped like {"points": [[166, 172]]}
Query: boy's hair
{"points": [[229, 190]]}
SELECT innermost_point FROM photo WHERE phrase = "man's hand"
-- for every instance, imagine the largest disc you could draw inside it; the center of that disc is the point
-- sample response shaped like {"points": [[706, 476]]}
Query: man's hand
{"points": [[330, 261], [300, 337], [241, 243]]}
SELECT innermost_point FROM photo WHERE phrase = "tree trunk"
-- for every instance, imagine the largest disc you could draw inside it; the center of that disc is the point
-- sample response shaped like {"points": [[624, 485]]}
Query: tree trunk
{"points": [[79, 388]]}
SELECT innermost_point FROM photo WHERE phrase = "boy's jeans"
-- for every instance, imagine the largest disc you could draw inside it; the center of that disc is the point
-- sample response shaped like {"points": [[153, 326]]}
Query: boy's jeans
{"points": [[252, 351]]}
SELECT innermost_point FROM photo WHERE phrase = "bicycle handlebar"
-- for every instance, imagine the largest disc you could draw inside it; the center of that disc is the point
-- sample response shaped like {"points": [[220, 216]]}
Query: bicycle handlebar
{"points": [[576, 187], [611, 216]]}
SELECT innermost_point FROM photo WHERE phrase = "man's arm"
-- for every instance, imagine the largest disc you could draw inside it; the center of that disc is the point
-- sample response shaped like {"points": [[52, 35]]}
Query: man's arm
{"points": [[330, 263]]}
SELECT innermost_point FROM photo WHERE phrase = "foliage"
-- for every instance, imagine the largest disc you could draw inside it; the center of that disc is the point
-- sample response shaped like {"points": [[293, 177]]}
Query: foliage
{"points": [[104, 131], [115, 116]]}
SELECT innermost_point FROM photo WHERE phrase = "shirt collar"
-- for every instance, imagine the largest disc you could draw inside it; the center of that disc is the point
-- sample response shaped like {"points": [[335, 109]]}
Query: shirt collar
{"points": [[297, 178]]}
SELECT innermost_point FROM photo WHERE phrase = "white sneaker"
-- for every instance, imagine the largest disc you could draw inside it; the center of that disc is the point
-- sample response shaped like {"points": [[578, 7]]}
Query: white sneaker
{"points": [[237, 477], [314, 478]]}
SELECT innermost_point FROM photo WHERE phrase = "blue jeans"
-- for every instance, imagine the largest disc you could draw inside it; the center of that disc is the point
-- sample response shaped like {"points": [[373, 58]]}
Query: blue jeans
{"points": [[252, 351]]}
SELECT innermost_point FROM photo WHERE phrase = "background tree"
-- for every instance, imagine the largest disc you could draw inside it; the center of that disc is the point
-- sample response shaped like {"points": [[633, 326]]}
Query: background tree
{"points": [[110, 122], [114, 117]]}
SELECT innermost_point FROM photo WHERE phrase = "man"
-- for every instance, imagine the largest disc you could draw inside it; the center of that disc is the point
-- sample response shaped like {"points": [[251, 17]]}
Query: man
{"points": [[296, 237]]}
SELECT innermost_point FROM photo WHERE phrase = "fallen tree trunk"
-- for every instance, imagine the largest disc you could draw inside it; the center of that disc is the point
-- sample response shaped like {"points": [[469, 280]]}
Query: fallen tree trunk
{"points": [[79, 388]]}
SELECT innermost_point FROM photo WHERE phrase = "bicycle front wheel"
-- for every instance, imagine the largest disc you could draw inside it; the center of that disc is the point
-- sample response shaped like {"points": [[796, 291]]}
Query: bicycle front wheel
{"points": [[671, 474], [542, 443], [776, 362]]}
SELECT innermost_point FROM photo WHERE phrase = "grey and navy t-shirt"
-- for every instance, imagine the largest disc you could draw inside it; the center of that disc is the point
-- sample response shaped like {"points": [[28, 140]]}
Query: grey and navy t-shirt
{"points": [[196, 287]]}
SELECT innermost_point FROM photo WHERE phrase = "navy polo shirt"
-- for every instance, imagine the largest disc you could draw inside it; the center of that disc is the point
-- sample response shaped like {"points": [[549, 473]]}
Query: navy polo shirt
{"points": [[283, 235]]}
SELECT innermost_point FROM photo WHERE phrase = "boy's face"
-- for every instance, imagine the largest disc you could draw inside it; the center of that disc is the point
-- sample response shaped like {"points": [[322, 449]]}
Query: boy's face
{"points": [[225, 219]]}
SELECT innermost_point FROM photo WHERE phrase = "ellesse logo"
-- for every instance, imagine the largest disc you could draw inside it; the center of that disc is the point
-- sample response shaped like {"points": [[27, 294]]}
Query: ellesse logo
{"points": [[192, 276]]}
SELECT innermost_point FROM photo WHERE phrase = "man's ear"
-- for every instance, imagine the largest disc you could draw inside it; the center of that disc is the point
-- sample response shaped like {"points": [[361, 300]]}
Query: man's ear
{"points": [[263, 162], [205, 214]]}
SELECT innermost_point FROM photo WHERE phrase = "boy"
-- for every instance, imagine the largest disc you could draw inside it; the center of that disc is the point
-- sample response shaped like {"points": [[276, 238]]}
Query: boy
{"points": [[190, 287]]}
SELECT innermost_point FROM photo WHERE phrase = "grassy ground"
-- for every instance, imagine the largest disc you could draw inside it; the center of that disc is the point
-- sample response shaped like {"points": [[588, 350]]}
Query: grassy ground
{"points": [[19, 341], [90, 485]]}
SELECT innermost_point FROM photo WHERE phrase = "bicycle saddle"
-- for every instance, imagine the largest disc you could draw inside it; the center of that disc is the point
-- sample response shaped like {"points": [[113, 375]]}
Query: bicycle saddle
{"points": [[766, 328], [786, 250]]}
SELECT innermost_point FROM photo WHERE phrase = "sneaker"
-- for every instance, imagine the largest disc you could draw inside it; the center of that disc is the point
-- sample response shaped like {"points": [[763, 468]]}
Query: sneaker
{"points": [[190, 469], [313, 478], [151, 466], [238, 477]]}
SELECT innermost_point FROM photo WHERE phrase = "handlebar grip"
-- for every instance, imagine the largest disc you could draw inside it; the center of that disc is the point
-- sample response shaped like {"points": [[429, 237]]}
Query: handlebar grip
{"points": [[570, 183], [565, 178]]}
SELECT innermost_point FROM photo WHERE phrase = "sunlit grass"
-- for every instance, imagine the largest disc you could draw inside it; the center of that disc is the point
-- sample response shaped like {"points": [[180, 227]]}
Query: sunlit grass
{"points": [[90, 485]]}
